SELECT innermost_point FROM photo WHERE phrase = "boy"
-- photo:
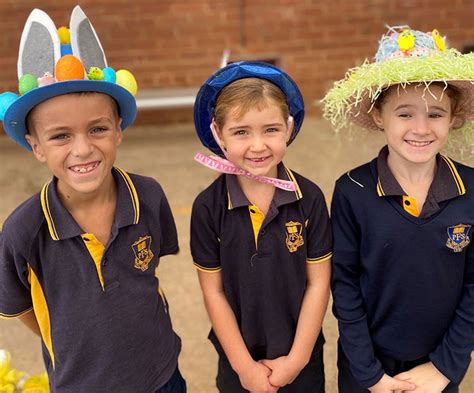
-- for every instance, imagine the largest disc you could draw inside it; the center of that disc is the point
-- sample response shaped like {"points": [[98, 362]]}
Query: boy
{"points": [[78, 259]]}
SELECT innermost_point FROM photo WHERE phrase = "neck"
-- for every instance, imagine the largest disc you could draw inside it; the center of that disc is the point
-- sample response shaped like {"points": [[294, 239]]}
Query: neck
{"points": [[414, 173], [74, 200]]}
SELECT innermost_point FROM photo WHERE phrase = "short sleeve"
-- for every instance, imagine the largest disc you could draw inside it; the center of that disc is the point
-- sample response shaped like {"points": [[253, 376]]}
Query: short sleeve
{"points": [[319, 233], [169, 236], [205, 247], [15, 296]]}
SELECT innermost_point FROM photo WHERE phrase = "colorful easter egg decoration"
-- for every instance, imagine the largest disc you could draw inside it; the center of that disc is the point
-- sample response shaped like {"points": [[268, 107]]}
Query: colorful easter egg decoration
{"points": [[126, 79], [69, 68], [26, 83], [64, 35], [95, 74], [46, 79], [109, 75], [6, 99]]}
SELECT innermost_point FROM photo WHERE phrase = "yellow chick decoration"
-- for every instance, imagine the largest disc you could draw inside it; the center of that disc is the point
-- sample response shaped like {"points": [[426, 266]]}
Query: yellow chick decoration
{"points": [[64, 35], [95, 74], [438, 40], [406, 40]]}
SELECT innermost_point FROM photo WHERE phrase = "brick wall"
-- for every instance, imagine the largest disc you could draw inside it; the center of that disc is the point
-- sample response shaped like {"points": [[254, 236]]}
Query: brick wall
{"points": [[179, 42]]}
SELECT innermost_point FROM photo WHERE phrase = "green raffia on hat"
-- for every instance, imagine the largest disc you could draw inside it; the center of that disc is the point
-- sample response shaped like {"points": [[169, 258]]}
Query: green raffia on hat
{"points": [[343, 103]]}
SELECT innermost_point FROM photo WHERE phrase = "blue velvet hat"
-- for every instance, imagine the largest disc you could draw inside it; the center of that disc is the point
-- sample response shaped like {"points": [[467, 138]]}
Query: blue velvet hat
{"points": [[54, 62], [207, 96]]}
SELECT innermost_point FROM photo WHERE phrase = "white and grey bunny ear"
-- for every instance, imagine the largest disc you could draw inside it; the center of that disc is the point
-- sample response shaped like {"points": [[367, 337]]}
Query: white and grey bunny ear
{"points": [[40, 47], [84, 41]]}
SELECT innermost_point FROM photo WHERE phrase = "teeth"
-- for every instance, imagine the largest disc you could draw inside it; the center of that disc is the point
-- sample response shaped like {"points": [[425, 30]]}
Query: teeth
{"points": [[84, 169], [418, 144]]}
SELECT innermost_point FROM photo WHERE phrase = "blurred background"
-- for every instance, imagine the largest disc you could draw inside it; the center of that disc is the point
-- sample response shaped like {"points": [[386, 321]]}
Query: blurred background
{"points": [[172, 47]]}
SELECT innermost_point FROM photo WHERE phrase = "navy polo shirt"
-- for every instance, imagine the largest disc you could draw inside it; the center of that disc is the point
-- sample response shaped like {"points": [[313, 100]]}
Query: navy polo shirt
{"points": [[103, 317], [262, 259], [403, 285]]}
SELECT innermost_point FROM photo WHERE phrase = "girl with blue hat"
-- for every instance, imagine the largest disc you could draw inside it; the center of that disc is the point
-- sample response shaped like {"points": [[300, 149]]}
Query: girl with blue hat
{"points": [[260, 235], [403, 265]]}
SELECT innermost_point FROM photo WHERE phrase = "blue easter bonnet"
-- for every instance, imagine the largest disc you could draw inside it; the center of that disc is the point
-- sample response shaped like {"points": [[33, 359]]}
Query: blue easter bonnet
{"points": [[209, 92], [53, 62]]}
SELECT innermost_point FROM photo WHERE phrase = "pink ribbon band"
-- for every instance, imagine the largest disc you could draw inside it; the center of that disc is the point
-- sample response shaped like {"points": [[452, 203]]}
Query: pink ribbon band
{"points": [[225, 166]]}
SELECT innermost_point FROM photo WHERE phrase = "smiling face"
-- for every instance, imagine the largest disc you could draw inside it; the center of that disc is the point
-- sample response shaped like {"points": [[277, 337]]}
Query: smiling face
{"points": [[77, 136], [256, 140], [415, 122]]}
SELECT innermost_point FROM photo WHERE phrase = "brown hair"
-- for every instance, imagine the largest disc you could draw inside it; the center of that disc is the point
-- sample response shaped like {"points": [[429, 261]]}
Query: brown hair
{"points": [[454, 94], [247, 93], [29, 117]]}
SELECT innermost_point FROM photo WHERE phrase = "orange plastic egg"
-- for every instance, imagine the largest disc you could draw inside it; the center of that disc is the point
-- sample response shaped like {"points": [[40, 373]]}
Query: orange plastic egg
{"points": [[69, 68]]}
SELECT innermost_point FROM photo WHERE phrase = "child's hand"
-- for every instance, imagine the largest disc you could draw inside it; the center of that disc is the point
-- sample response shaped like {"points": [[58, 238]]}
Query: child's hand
{"points": [[284, 370], [255, 378], [389, 385], [426, 377]]}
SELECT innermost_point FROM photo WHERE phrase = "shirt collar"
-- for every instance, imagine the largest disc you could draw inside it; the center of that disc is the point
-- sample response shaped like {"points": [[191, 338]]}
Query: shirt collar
{"points": [[237, 197], [62, 225], [447, 182]]}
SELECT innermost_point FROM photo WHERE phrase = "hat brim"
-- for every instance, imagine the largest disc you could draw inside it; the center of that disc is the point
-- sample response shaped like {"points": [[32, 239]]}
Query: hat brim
{"points": [[351, 98], [14, 121], [209, 91], [361, 114]]}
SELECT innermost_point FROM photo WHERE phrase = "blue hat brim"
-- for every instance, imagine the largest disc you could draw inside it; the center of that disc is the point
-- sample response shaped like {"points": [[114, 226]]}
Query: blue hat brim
{"points": [[209, 91], [14, 121]]}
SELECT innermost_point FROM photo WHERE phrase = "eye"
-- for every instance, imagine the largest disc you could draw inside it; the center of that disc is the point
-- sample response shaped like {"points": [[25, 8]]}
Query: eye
{"points": [[240, 132], [272, 129], [435, 115], [58, 137], [405, 115], [98, 130]]}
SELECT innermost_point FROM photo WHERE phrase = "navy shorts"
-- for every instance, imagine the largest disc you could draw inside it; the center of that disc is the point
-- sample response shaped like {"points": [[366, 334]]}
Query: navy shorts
{"points": [[310, 379], [176, 384], [348, 384]]}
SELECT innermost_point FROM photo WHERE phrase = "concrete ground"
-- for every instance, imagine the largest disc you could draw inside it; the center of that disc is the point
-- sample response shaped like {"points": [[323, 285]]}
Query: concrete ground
{"points": [[166, 153]]}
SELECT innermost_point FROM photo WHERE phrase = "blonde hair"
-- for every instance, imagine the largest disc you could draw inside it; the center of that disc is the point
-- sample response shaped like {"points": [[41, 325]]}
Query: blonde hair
{"points": [[244, 94]]}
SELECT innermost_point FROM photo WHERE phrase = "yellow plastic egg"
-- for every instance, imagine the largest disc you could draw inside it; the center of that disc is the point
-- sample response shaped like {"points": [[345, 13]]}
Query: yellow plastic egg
{"points": [[68, 68], [126, 79], [64, 35]]}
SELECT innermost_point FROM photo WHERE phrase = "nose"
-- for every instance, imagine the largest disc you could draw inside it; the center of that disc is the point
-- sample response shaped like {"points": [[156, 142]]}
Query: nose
{"points": [[81, 147], [422, 125], [258, 144]]}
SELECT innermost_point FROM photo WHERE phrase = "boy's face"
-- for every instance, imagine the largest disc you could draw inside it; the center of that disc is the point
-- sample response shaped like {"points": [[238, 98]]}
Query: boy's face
{"points": [[416, 122], [77, 136], [256, 141]]}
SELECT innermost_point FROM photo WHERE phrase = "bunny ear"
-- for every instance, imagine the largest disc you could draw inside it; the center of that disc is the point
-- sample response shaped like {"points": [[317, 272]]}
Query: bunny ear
{"points": [[84, 41], [39, 45]]}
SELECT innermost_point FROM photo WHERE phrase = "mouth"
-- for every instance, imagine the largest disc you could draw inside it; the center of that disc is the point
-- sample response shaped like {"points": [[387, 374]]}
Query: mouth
{"points": [[258, 159], [418, 143], [84, 168]]}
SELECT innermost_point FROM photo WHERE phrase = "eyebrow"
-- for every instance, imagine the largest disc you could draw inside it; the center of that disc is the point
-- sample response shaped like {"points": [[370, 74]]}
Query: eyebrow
{"points": [[435, 107], [247, 126]]}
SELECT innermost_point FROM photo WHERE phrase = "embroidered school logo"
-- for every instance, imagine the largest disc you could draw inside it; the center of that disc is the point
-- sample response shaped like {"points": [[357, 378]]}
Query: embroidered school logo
{"points": [[294, 239], [143, 253], [458, 237]]}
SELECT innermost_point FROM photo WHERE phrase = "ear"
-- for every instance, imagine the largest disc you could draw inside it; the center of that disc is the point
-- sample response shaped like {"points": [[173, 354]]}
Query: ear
{"points": [[40, 47], [217, 134], [84, 41], [35, 147], [377, 118], [290, 126], [119, 132]]}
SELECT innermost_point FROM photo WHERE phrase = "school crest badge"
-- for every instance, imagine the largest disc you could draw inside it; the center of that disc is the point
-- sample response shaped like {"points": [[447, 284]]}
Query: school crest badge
{"points": [[294, 238], [143, 253], [458, 237]]}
